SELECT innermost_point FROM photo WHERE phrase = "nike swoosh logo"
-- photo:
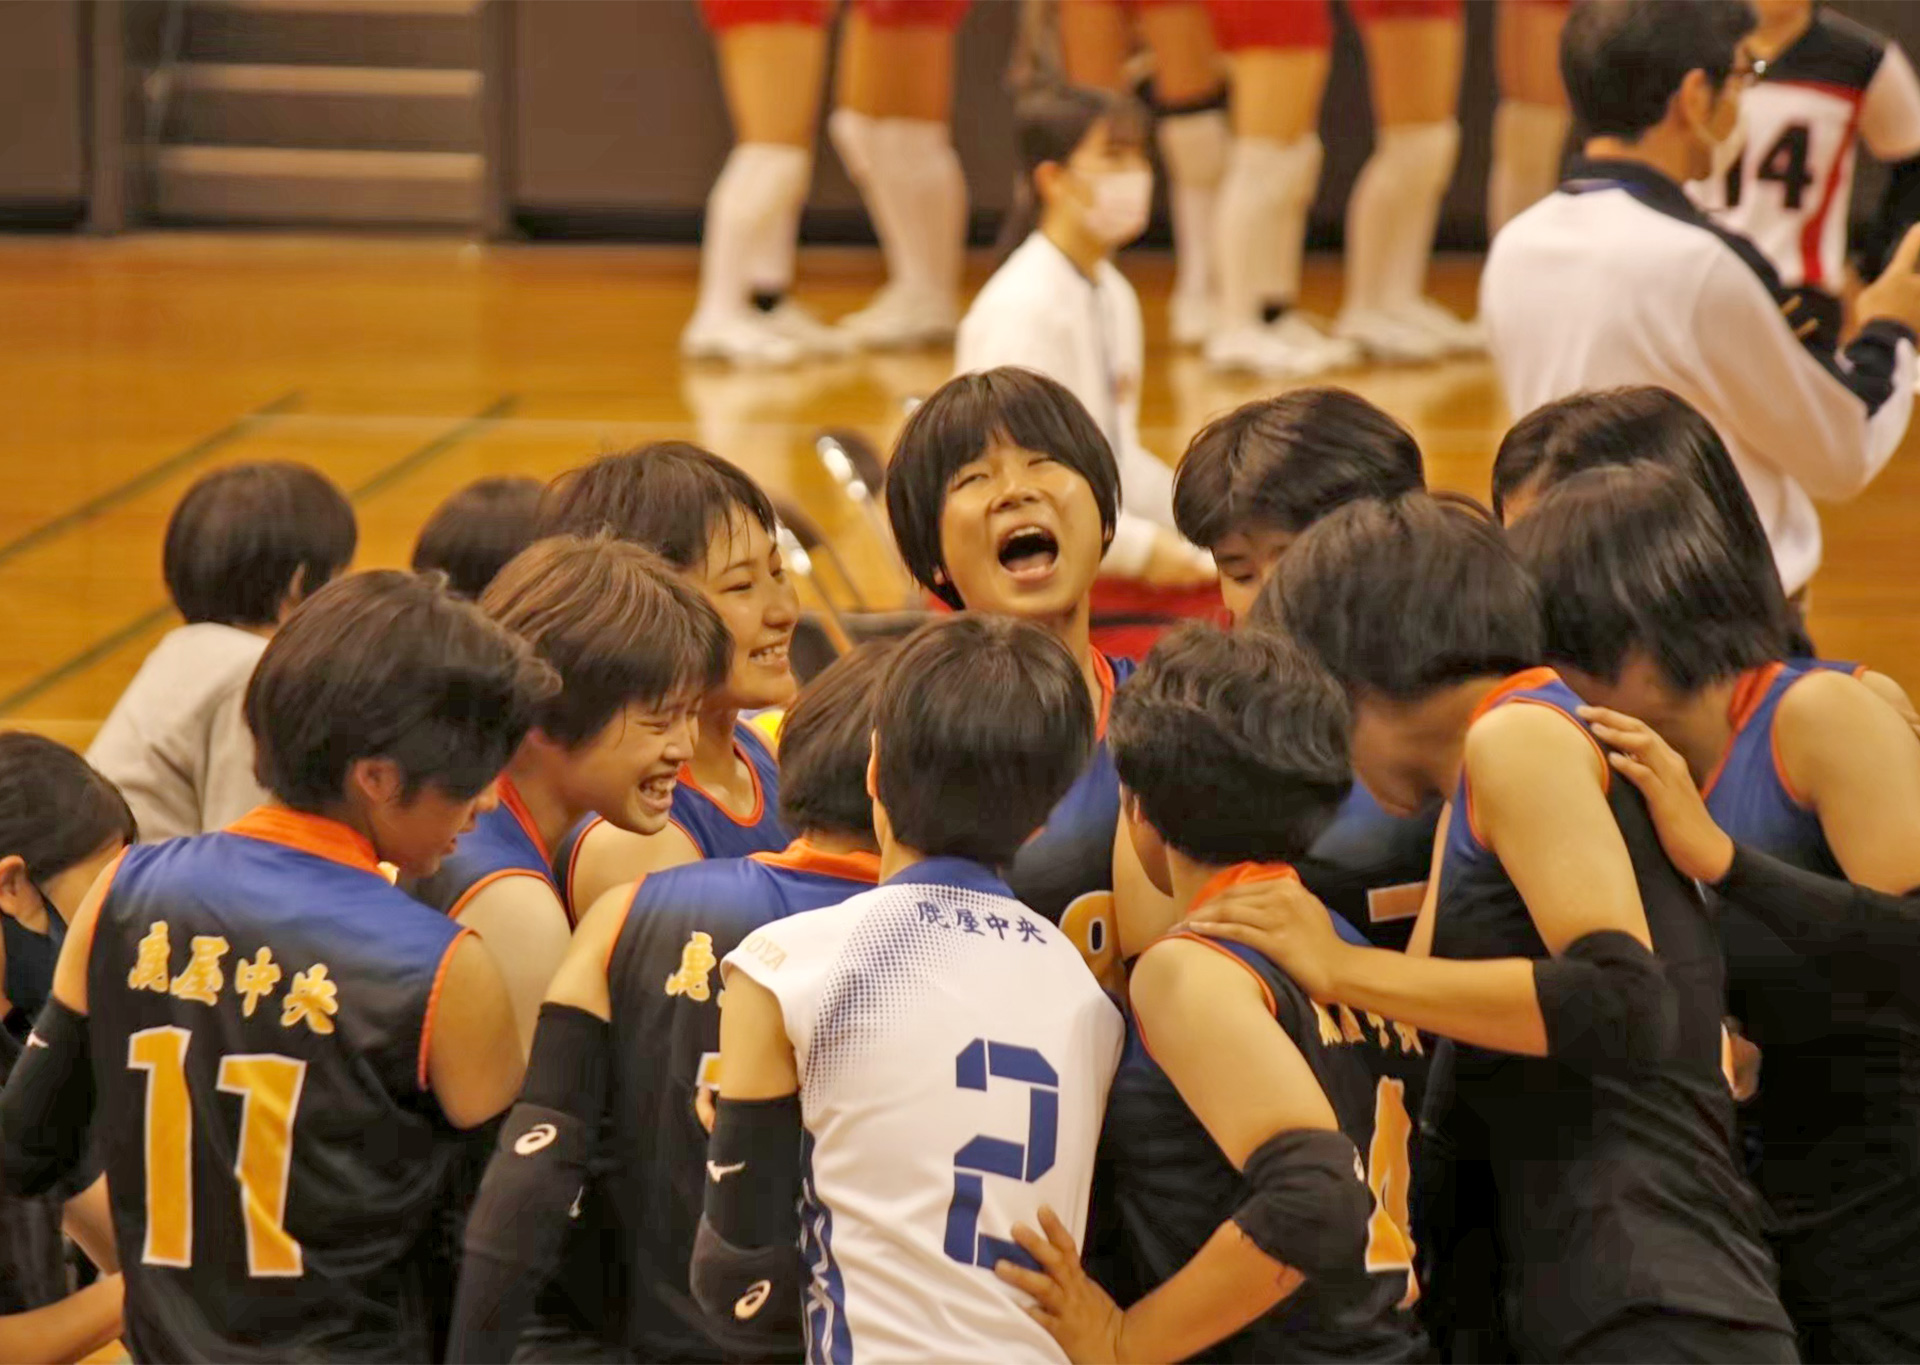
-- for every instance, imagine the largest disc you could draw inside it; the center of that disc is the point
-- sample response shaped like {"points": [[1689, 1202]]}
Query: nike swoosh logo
{"points": [[719, 1173], [753, 1300], [35, 1040]]}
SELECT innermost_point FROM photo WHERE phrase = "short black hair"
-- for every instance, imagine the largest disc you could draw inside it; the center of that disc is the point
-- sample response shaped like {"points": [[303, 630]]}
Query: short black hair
{"points": [[1403, 598], [617, 624], [471, 536], [55, 810], [1641, 424], [1283, 463], [1637, 558], [955, 426], [245, 536], [963, 778], [388, 664], [670, 496], [1622, 61], [1050, 121], [1234, 743], [825, 742]]}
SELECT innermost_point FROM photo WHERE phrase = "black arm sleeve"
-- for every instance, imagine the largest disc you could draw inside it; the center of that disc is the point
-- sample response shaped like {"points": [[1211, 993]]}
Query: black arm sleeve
{"points": [[46, 1109], [1899, 210], [1819, 912], [747, 1272], [519, 1224], [1607, 1004]]}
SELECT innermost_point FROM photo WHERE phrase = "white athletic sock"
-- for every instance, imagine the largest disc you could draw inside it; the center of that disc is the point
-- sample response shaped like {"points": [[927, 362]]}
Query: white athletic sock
{"points": [[759, 193], [1527, 142], [918, 196], [1194, 148], [1394, 210], [1261, 224]]}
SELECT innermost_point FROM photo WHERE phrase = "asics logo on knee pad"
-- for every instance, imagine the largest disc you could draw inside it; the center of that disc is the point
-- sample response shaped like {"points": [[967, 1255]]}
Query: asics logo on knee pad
{"points": [[750, 1302], [535, 1139]]}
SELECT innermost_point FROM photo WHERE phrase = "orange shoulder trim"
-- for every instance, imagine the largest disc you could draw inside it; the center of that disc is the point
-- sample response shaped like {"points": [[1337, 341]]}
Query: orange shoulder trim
{"points": [[314, 834], [433, 1003]]}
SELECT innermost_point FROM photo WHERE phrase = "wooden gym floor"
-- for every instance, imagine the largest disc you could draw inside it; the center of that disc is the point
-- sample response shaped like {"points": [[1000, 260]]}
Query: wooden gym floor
{"points": [[405, 368]]}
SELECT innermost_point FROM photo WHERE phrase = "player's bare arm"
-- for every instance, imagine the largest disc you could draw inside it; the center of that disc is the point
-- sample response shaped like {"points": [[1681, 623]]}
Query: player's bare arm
{"points": [[1211, 1030], [610, 857], [474, 1058], [524, 926], [1539, 804], [1848, 754]]}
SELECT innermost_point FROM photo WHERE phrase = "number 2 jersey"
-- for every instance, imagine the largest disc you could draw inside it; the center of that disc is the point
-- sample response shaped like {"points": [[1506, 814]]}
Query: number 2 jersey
{"points": [[260, 1005], [1174, 1187], [954, 1056], [1838, 85]]}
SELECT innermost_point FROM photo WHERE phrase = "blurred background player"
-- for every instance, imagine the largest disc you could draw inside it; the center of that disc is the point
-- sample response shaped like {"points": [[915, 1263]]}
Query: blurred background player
{"points": [[714, 525], [60, 824], [471, 536], [1248, 485], [1829, 85], [1246, 1130], [1613, 279], [356, 1040], [614, 1047], [1531, 120], [892, 127], [835, 1092], [1186, 90], [243, 547], [1058, 305], [636, 649], [1575, 970], [1804, 763], [892, 131], [1279, 56]]}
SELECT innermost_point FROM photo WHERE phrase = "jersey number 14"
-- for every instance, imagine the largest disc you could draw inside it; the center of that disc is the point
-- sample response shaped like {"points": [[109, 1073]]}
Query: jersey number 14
{"points": [[269, 1089]]}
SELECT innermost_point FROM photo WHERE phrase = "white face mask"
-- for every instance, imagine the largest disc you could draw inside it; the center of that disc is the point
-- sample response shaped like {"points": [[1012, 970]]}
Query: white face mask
{"points": [[1121, 202]]}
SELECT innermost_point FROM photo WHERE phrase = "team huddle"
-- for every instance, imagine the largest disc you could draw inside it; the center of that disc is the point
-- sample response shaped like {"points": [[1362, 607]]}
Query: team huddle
{"points": [[1490, 938], [1374, 978]]}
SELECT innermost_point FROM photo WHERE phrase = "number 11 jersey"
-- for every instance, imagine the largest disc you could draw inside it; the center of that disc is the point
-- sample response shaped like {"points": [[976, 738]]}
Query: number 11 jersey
{"points": [[954, 1056], [260, 1003]]}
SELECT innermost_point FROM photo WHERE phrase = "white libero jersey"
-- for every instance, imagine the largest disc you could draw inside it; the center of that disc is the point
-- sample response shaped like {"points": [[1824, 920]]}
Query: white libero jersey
{"points": [[1617, 278], [1039, 312], [1839, 85], [954, 1056]]}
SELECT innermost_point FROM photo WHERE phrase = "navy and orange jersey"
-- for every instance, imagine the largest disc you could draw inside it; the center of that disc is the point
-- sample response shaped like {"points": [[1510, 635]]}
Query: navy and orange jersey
{"points": [[636, 1242], [1837, 1115], [261, 1006], [713, 829], [1616, 1194], [1173, 1187], [1072, 854], [502, 843], [1371, 868]]}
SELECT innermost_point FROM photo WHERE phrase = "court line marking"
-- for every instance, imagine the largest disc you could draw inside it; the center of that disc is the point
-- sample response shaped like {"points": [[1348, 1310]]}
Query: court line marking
{"points": [[413, 460], [147, 478]]}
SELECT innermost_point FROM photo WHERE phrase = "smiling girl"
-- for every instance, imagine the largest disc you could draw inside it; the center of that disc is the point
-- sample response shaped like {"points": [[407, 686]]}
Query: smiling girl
{"points": [[714, 524]]}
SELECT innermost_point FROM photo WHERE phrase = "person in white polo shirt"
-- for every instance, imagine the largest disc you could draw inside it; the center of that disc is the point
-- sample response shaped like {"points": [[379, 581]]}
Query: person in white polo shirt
{"points": [[1618, 279]]}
